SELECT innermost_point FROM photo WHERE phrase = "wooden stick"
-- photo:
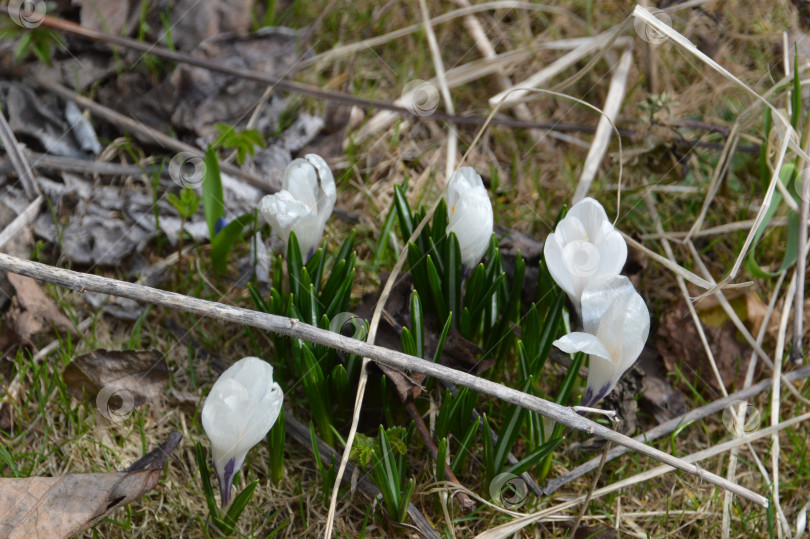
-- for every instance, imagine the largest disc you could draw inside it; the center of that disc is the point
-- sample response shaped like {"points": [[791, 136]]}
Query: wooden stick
{"points": [[149, 133], [464, 501], [21, 221], [666, 428], [521, 522], [62, 163], [796, 352], [294, 328], [285, 84], [18, 160]]}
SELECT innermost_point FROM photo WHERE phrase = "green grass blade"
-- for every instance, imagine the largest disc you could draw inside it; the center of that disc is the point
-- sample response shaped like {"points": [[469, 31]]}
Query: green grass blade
{"points": [[213, 199], [223, 242]]}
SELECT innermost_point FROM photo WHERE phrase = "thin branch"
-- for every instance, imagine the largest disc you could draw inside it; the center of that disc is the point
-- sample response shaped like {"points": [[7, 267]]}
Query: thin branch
{"points": [[296, 329], [723, 164], [62, 163], [668, 427], [149, 133], [21, 221], [464, 501], [349, 48], [441, 78], [796, 352], [21, 166], [521, 522], [776, 399], [510, 457], [288, 85]]}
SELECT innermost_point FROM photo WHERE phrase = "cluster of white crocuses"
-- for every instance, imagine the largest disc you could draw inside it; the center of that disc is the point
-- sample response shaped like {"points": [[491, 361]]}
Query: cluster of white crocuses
{"points": [[238, 413], [469, 214], [584, 256], [304, 203]]}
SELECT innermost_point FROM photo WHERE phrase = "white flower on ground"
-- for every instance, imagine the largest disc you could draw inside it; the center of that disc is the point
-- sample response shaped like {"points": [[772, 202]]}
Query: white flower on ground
{"points": [[616, 323], [239, 411], [303, 205], [582, 248], [470, 214]]}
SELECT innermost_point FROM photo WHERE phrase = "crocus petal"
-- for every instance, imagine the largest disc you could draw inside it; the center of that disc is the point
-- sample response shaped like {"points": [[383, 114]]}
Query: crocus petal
{"points": [[301, 181], [571, 229], [602, 371], [240, 409], [613, 251], [590, 213], [587, 248], [579, 341], [625, 327], [602, 378], [553, 254], [470, 215], [581, 261], [260, 257], [327, 194], [287, 214], [304, 204], [597, 297]]}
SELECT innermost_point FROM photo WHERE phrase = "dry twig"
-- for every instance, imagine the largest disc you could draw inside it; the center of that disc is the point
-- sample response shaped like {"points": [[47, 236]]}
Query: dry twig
{"points": [[294, 328]]}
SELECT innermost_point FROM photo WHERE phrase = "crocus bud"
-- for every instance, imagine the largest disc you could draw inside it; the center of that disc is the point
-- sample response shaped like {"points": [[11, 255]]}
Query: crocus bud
{"points": [[303, 205], [583, 248], [616, 323], [470, 214], [239, 411]]}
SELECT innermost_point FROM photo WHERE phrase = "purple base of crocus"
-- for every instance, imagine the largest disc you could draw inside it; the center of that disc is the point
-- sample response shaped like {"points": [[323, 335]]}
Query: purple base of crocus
{"points": [[590, 398], [226, 482]]}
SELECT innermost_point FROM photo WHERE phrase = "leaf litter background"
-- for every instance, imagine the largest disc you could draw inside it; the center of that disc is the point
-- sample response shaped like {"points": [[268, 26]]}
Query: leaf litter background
{"points": [[119, 225]]}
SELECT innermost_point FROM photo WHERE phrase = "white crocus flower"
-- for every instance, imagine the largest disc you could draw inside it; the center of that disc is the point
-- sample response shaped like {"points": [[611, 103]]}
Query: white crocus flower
{"points": [[616, 323], [470, 214], [239, 411], [582, 248], [303, 205]]}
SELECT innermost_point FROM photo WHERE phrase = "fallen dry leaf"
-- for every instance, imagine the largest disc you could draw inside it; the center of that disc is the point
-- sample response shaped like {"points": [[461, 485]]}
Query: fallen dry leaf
{"points": [[32, 313], [53, 507], [658, 397], [118, 380], [592, 532], [109, 16], [201, 98], [193, 21], [680, 347]]}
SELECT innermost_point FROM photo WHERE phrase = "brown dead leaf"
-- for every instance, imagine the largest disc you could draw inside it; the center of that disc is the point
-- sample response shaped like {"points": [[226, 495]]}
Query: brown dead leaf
{"points": [[203, 98], [120, 379], [32, 313], [592, 532], [388, 333], [338, 120], [108, 16], [193, 21], [680, 347], [658, 396], [53, 507]]}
